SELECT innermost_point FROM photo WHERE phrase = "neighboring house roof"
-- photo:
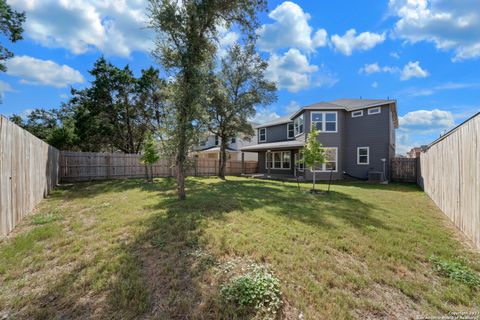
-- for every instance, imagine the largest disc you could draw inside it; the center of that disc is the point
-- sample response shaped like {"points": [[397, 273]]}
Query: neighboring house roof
{"points": [[215, 148], [351, 105], [274, 145]]}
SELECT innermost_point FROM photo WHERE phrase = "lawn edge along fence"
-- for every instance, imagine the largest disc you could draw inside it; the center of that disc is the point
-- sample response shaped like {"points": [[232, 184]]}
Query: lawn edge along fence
{"points": [[28, 172], [89, 166]]}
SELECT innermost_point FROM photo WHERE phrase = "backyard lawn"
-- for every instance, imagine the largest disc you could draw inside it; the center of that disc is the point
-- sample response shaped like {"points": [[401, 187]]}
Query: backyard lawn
{"points": [[128, 249]]}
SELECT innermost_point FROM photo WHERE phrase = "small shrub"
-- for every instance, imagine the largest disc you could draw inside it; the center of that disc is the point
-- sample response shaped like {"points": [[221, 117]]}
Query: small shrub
{"points": [[258, 290], [456, 271], [45, 218]]}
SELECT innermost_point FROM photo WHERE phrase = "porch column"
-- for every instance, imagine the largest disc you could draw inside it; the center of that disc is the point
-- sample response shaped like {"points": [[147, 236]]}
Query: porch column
{"points": [[243, 163], [266, 160]]}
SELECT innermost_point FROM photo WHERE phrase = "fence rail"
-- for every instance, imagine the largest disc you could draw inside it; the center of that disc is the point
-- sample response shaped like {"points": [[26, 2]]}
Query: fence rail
{"points": [[450, 175], [28, 172], [88, 166]]}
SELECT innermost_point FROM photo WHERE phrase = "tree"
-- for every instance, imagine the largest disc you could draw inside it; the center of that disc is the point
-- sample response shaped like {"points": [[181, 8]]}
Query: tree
{"points": [[238, 87], [313, 154], [11, 23], [187, 36], [111, 114], [150, 156]]}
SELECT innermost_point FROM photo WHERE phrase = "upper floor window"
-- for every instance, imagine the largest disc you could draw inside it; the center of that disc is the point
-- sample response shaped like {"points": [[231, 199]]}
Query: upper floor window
{"points": [[262, 134], [298, 125], [234, 140], [356, 114], [217, 141], [324, 121], [374, 110], [363, 155], [290, 130]]}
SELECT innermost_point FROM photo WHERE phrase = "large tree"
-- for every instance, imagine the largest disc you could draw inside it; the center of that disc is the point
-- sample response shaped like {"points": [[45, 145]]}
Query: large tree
{"points": [[11, 22], [238, 87], [187, 35], [112, 113]]}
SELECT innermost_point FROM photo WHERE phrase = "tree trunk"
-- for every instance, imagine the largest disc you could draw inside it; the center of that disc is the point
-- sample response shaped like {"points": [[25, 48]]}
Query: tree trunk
{"points": [[223, 159], [180, 180]]}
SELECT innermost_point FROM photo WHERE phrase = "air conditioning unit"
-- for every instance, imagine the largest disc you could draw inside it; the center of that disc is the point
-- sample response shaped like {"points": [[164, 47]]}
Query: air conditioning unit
{"points": [[375, 176]]}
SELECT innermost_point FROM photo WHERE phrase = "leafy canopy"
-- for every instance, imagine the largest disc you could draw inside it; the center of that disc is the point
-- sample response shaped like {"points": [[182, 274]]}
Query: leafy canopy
{"points": [[11, 23], [313, 153]]}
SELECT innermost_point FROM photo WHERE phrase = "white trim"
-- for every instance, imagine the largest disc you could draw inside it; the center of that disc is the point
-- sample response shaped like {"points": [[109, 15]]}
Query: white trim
{"points": [[358, 115], [281, 160], [324, 164], [259, 135], [288, 130], [324, 120], [376, 110], [358, 156], [303, 125]]}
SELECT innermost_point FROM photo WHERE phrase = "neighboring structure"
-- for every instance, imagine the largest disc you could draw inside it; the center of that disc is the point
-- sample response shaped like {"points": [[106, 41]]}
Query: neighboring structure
{"points": [[358, 135], [210, 148], [415, 152]]}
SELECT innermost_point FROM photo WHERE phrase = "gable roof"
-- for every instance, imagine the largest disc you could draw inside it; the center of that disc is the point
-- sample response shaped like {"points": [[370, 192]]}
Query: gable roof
{"points": [[339, 104]]}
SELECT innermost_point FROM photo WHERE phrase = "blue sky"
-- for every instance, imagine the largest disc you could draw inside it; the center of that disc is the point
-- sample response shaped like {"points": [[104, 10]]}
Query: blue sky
{"points": [[423, 53]]}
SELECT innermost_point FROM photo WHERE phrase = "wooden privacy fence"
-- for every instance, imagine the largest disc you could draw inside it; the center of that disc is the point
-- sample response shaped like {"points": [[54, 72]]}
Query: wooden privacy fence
{"points": [[450, 174], [404, 169], [87, 166], [28, 171]]}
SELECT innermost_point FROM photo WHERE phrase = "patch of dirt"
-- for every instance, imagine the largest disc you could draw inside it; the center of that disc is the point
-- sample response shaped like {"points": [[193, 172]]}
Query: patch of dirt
{"points": [[390, 303]]}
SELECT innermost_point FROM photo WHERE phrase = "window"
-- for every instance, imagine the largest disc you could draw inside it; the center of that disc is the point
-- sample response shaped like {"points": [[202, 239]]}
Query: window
{"points": [[324, 121], [356, 114], [374, 110], [299, 164], [330, 161], [234, 140], [298, 125], [217, 141], [363, 155], [290, 130], [278, 160], [262, 134]]}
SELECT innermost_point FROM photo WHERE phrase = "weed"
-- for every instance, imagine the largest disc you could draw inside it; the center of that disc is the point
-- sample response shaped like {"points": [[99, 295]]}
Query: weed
{"points": [[257, 291], [43, 218], [456, 270]]}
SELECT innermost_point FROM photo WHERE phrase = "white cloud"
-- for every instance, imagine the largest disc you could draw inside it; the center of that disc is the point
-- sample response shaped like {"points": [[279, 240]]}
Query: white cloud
{"points": [[415, 92], [42, 72], [375, 84], [350, 42], [427, 121], [265, 115], [394, 55], [450, 25], [292, 107], [292, 71], [421, 127], [111, 26], [290, 30], [413, 70], [376, 68], [5, 87]]}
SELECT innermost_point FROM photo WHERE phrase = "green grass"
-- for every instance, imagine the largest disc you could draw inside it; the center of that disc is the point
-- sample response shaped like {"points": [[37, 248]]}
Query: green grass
{"points": [[125, 249]]}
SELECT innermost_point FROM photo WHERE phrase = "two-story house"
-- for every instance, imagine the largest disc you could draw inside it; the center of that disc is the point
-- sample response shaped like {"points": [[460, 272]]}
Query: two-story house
{"points": [[357, 134], [209, 148]]}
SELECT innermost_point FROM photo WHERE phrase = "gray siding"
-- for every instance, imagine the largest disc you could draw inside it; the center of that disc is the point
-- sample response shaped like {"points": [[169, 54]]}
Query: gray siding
{"points": [[371, 131], [275, 133]]}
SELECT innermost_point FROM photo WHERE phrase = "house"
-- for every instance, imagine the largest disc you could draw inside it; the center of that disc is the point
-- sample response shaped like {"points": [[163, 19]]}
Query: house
{"points": [[415, 152], [358, 135], [209, 148]]}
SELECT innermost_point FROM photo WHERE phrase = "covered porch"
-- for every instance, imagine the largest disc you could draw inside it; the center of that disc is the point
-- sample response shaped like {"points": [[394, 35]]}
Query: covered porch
{"points": [[278, 159]]}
